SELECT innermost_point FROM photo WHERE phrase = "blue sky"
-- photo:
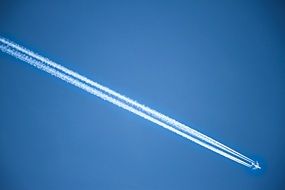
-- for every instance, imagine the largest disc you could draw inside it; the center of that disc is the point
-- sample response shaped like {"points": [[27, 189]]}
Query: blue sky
{"points": [[218, 67]]}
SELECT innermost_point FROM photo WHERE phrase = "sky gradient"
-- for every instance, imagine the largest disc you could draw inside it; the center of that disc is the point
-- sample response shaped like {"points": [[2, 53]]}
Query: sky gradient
{"points": [[218, 67]]}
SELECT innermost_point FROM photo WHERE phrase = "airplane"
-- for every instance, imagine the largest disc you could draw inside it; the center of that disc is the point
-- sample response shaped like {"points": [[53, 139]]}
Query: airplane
{"points": [[255, 166]]}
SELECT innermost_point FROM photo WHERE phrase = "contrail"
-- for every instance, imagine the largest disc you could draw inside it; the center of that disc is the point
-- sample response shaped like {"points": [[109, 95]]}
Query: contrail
{"points": [[122, 101]]}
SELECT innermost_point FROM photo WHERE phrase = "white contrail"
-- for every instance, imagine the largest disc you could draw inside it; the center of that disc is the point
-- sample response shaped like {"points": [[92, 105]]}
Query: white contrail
{"points": [[141, 107], [125, 99], [123, 102]]}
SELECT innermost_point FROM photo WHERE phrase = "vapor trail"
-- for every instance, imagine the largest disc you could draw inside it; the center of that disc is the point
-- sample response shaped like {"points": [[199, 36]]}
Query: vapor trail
{"points": [[124, 102], [141, 107]]}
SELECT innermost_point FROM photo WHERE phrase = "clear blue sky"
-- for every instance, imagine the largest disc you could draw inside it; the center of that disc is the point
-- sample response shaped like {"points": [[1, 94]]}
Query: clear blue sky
{"points": [[218, 66]]}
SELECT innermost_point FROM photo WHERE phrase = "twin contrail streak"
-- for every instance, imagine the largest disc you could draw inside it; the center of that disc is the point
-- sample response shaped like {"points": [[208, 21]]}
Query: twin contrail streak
{"points": [[122, 101]]}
